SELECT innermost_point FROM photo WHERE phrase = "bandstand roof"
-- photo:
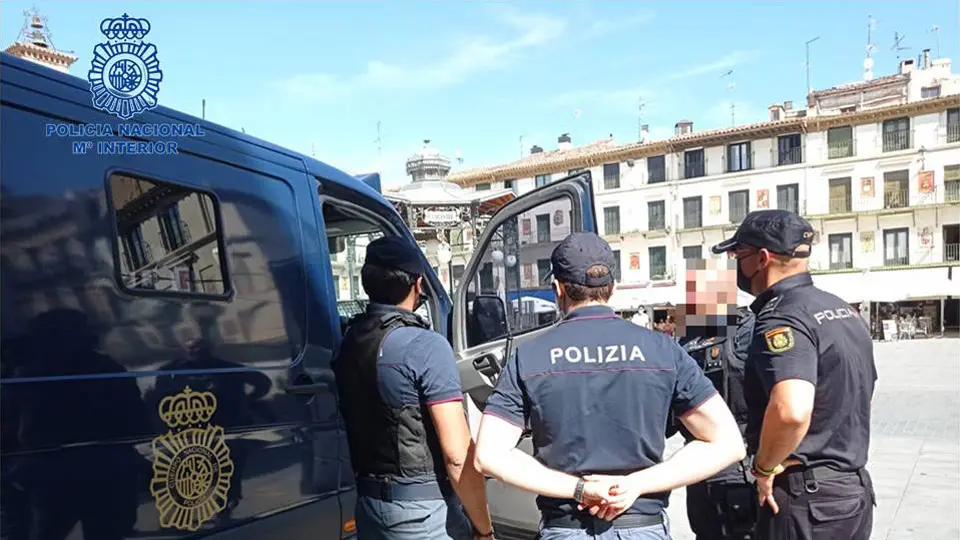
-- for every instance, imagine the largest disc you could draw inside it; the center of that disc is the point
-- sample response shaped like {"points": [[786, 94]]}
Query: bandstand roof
{"points": [[442, 193]]}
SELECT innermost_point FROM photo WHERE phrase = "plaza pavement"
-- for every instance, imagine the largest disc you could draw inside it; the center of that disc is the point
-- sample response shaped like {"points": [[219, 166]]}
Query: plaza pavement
{"points": [[915, 446]]}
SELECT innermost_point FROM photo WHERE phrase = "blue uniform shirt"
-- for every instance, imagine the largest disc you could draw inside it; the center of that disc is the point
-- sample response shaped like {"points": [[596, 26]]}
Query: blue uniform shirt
{"points": [[416, 366], [808, 334], [596, 391]]}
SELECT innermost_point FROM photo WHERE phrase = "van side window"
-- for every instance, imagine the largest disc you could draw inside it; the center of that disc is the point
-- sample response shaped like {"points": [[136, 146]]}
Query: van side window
{"points": [[167, 237]]}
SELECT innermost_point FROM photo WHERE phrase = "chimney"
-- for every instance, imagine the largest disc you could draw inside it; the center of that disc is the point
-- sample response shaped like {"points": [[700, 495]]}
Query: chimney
{"points": [[683, 127], [535, 149], [776, 112], [788, 105], [644, 133], [563, 142], [906, 66], [925, 63]]}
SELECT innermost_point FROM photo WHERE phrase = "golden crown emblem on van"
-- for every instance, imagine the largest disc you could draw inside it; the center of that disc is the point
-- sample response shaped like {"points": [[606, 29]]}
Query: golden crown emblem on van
{"points": [[192, 467]]}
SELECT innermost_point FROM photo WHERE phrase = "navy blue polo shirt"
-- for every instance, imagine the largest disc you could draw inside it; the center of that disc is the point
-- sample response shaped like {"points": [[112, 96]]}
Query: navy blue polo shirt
{"points": [[416, 366], [805, 333], [596, 391]]}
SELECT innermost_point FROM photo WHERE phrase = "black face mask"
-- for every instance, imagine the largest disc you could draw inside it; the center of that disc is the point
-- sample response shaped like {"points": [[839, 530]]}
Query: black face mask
{"points": [[744, 282]]}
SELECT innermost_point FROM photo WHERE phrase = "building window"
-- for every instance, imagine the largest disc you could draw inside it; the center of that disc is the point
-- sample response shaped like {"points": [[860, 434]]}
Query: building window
{"points": [[656, 169], [840, 200], [896, 247], [896, 134], [739, 205], [692, 212], [896, 189], [616, 266], [611, 220], [508, 183], [542, 180], [356, 291], [841, 251], [840, 142], [930, 92], [154, 245], [951, 243], [543, 269], [543, 228], [658, 262], [789, 151], [953, 125], [738, 157], [951, 183], [656, 216], [788, 198], [693, 164], [692, 252], [611, 176], [336, 286], [483, 187]]}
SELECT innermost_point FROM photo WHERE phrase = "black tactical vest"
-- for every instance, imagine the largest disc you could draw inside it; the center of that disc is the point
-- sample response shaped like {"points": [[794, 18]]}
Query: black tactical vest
{"points": [[384, 440]]}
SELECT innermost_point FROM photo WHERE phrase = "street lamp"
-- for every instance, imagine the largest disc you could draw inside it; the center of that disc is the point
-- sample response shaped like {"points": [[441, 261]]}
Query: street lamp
{"points": [[445, 256]]}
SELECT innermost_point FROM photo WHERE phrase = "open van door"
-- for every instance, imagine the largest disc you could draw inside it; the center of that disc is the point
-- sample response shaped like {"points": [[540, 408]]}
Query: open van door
{"points": [[506, 298]]}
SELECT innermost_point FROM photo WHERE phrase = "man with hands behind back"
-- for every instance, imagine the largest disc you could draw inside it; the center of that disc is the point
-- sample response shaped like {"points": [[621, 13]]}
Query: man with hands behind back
{"points": [[597, 391]]}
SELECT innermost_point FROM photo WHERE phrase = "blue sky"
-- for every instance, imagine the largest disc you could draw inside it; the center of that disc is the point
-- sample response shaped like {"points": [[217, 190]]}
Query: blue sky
{"points": [[476, 76]]}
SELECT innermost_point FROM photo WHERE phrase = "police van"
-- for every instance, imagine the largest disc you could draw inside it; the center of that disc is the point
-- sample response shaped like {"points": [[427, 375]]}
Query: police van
{"points": [[172, 294]]}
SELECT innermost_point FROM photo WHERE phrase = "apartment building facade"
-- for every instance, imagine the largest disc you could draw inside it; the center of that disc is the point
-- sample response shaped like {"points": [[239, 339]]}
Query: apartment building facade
{"points": [[874, 166]]}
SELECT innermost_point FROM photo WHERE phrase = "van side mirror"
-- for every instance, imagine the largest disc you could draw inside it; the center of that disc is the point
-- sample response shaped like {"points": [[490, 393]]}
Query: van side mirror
{"points": [[337, 244], [488, 319]]}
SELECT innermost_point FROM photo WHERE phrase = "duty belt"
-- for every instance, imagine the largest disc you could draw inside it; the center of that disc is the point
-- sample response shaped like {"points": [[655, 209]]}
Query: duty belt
{"points": [[388, 490], [799, 478], [625, 521]]}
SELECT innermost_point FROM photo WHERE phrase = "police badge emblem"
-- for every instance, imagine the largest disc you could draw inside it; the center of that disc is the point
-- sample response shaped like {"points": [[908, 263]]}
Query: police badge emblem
{"points": [[192, 467], [125, 72], [779, 339]]}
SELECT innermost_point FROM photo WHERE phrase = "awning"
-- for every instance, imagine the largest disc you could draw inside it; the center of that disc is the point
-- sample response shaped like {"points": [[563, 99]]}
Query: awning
{"points": [[846, 286], [892, 285]]}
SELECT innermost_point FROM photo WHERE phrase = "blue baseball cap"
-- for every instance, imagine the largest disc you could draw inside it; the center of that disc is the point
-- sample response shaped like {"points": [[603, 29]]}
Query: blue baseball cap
{"points": [[395, 253], [778, 231], [576, 254]]}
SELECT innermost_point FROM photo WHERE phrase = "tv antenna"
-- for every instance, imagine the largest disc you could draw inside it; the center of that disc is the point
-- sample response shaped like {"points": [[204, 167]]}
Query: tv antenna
{"points": [[871, 26], [640, 106], [898, 43], [379, 142], [935, 30], [730, 86]]}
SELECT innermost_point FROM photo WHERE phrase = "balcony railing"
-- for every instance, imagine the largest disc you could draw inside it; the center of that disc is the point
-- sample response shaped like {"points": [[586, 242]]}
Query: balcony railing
{"points": [[841, 205], [840, 149], [896, 198], [792, 156], [842, 264], [896, 261], [951, 252], [896, 140], [953, 132], [952, 191]]}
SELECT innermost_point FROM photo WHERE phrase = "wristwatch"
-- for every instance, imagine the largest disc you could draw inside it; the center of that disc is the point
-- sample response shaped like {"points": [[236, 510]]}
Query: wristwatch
{"points": [[578, 491]]}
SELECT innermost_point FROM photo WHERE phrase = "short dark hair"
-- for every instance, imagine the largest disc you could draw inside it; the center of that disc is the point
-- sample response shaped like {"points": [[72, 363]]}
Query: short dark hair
{"points": [[582, 293], [386, 285]]}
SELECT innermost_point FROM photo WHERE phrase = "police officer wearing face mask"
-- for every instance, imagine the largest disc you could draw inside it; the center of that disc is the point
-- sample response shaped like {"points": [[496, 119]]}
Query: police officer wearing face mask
{"points": [[809, 385], [717, 335], [399, 390]]}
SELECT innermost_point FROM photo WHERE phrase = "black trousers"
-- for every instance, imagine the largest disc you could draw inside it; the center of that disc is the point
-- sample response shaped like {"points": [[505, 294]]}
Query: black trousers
{"points": [[722, 510], [837, 508]]}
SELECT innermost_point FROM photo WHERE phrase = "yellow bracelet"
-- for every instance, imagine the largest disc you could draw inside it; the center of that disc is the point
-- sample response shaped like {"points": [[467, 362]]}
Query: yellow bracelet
{"points": [[772, 472]]}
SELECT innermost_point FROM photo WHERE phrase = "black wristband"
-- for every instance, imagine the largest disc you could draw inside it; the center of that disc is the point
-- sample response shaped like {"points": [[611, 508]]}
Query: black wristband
{"points": [[578, 491]]}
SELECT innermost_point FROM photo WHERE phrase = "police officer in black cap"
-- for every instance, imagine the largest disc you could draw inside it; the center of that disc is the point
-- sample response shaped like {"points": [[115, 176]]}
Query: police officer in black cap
{"points": [[596, 391], [810, 382], [716, 333], [400, 393]]}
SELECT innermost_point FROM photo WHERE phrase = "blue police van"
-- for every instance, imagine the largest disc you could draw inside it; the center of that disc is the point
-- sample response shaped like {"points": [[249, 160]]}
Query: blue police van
{"points": [[172, 294]]}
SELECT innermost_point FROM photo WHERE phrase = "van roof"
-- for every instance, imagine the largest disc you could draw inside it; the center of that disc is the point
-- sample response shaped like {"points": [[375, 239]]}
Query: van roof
{"points": [[75, 90]]}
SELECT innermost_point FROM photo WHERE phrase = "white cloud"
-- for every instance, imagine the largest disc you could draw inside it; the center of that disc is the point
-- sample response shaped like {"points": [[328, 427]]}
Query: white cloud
{"points": [[728, 61], [471, 55], [603, 27]]}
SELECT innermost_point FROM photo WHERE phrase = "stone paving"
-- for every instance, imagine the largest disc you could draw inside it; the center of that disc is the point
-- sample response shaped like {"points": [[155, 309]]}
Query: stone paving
{"points": [[915, 446]]}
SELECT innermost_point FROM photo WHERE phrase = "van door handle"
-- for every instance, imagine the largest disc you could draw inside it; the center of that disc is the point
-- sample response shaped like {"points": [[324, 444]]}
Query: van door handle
{"points": [[487, 365], [315, 388]]}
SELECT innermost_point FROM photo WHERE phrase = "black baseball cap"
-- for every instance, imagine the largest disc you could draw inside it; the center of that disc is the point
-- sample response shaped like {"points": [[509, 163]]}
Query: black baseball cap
{"points": [[395, 253], [577, 253], [778, 231]]}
